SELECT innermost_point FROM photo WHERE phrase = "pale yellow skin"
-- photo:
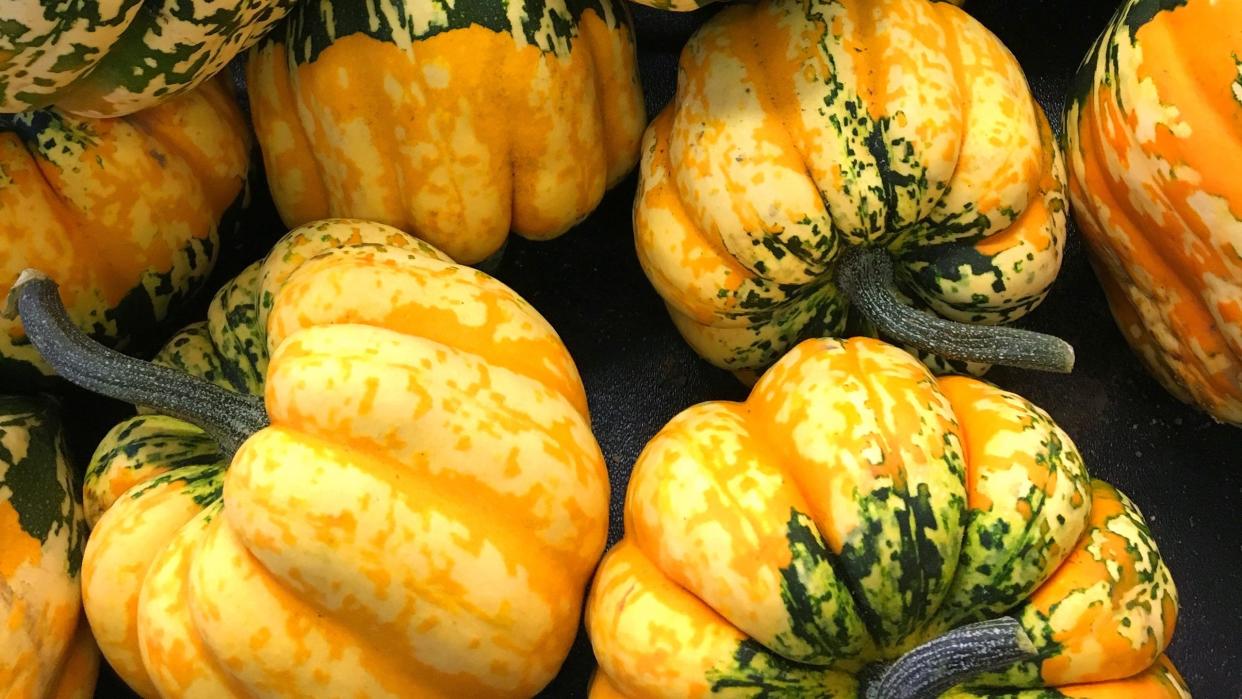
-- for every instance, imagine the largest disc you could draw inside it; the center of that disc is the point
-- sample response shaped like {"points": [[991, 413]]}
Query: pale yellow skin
{"points": [[420, 520], [458, 137]]}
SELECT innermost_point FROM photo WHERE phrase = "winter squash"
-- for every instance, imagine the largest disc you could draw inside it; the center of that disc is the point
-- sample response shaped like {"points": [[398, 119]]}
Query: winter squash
{"points": [[814, 146], [456, 123], [110, 58], [1154, 131], [46, 650], [422, 429], [124, 214], [857, 511], [688, 5]]}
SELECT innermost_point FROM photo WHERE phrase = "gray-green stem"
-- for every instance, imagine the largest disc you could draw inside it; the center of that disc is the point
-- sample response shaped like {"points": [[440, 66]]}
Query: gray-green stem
{"points": [[866, 276], [956, 657], [230, 418]]}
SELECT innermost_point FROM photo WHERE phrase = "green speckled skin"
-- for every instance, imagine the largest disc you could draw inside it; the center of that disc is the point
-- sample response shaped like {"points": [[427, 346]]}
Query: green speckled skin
{"points": [[116, 57]]}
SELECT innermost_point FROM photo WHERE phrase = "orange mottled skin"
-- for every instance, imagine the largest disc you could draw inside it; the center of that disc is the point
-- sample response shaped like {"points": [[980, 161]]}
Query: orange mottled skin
{"points": [[420, 519], [855, 506], [1153, 142], [110, 208], [802, 129], [456, 134]]}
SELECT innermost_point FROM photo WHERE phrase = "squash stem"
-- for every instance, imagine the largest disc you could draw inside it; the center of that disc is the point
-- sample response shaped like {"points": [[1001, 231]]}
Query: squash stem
{"points": [[935, 667], [230, 418], [866, 276]]}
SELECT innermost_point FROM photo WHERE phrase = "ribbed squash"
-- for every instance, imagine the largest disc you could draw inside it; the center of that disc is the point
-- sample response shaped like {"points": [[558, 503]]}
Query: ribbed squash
{"points": [[454, 122], [1154, 131], [46, 650], [115, 57], [125, 214], [688, 5], [420, 518], [854, 508], [805, 132]]}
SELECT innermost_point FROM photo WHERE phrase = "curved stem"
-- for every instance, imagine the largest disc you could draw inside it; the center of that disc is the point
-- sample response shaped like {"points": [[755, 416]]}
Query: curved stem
{"points": [[945, 662], [230, 418], [866, 276]]}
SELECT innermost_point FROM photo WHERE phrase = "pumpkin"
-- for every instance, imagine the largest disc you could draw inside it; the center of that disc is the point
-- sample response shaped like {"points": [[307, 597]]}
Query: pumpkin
{"points": [[812, 146], [1154, 131], [46, 651], [125, 214], [420, 518], [856, 511], [106, 58], [456, 123]]}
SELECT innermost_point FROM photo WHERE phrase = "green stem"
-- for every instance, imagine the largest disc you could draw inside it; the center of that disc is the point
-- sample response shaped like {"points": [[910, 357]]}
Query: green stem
{"points": [[956, 657], [866, 276], [230, 418]]}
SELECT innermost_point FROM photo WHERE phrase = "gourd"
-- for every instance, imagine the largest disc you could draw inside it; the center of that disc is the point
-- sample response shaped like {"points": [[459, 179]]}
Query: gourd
{"points": [[688, 5], [860, 528], [107, 58], [125, 214], [816, 150], [412, 507], [1153, 137], [46, 650], [457, 123]]}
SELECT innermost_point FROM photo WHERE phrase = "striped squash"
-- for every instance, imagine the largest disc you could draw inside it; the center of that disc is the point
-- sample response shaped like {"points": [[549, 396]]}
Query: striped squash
{"points": [[1154, 134], [428, 431], [806, 132], [124, 213], [104, 58], [855, 508], [46, 650], [456, 123], [688, 5]]}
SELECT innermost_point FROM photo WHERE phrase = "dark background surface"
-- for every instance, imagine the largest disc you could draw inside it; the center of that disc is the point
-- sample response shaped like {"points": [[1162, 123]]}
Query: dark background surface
{"points": [[1183, 469]]}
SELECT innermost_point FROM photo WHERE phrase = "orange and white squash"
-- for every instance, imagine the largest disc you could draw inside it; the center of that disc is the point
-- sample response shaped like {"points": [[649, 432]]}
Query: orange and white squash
{"points": [[808, 135], [456, 122], [855, 511], [128, 215], [1154, 136], [46, 649], [419, 517]]}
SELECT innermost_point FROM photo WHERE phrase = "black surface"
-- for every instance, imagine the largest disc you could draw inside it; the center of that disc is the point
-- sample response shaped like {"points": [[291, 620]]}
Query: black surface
{"points": [[1183, 470]]}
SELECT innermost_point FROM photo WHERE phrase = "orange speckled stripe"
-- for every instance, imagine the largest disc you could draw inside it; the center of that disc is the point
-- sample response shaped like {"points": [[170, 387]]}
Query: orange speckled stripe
{"points": [[711, 508], [453, 415], [417, 295], [1112, 606], [206, 129], [118, 557]]}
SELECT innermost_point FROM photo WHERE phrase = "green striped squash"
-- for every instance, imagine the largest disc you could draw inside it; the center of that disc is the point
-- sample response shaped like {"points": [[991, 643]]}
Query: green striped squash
{"points": [[46, 649], [115, 57], [857, 511], [128, 215]]}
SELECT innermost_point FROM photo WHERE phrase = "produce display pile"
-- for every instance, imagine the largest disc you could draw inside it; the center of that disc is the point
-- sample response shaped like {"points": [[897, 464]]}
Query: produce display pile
{"points": [[876, 349]]}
